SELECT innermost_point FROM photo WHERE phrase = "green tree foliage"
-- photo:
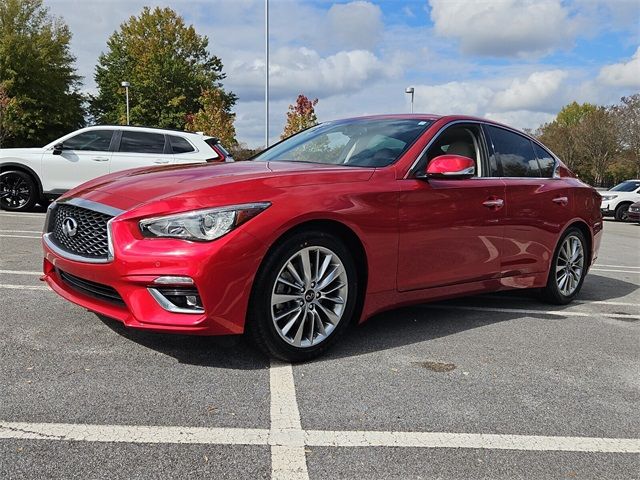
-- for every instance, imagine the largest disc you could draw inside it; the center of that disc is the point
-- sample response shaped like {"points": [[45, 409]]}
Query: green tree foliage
{"points": [[601, 144], [626, 116], [215, 117], [168, 65], [37, 75], [300, 116]]}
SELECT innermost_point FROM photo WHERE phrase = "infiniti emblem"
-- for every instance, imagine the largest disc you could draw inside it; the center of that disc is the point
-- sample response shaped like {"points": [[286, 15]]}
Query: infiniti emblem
{"points": [[69, 226]]}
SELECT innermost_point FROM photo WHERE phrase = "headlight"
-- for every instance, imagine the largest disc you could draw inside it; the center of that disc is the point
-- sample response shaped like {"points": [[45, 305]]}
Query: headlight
{"points": [[606, 198], [201, 225]]}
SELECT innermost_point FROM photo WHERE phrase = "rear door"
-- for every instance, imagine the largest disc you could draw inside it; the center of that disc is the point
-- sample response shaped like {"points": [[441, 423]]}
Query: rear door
{"points": [[538, 205], [85, 156], [451, 230], [141, 149]]}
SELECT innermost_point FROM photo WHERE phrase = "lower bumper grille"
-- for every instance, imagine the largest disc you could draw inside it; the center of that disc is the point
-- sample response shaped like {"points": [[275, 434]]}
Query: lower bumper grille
{"points": [[93, 289]]}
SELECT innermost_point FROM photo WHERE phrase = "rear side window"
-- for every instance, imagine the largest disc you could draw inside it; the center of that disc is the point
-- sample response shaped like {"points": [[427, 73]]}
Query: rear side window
{"points": [[214, 142], [545, 160], [93, 140], [514, 152], [141, 142], [180, 145]]}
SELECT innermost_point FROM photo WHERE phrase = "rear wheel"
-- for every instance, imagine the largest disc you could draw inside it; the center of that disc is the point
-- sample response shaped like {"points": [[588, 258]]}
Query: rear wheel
{"points": [[18, 191], [568, 268], [303, 297], [622, 212]]}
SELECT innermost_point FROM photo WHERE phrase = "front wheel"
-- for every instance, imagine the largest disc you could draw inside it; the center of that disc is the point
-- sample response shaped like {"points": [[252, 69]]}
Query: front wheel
{"points": [[568, 268], [17, 191], [303, 297], [622, 213]]}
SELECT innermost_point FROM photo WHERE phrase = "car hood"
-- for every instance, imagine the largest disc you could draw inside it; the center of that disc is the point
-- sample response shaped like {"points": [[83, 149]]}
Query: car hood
{"points": [[131, 188]]}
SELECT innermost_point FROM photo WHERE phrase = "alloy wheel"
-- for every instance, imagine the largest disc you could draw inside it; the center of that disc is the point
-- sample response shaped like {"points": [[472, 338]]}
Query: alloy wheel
{"points": [[15, 191], [309, 296], [570, 265]]}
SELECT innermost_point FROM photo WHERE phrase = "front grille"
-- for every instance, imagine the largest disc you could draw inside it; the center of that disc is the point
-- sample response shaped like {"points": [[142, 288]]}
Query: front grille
{"points": [[90, 239], [93, 289]]}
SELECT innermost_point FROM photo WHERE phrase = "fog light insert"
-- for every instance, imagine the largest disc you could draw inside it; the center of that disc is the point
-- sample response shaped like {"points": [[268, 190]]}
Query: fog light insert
{"points": [[178, 300]]}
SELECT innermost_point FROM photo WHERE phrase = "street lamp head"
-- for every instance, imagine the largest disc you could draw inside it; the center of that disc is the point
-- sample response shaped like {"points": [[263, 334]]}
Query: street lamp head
{"points": [[125, 84], [409, 90]]}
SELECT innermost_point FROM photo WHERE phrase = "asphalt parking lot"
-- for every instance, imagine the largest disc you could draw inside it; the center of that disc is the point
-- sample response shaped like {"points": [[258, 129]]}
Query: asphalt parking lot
{"points": [[490, 387]]}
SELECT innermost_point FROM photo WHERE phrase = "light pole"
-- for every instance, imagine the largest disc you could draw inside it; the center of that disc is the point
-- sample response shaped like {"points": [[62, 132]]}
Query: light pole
{"points": [[266, 73], [410, 90], [126, 86]]}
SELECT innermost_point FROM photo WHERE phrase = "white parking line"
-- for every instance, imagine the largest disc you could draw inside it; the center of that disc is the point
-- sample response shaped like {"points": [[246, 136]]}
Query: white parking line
{"points": [[19, 236], [133, 434], [23, 215], [312, 438], [19, 272], [23, 287], [616, 271], [288, 458], [318, 438], [560, 313], [21, 231], [615, 266]]}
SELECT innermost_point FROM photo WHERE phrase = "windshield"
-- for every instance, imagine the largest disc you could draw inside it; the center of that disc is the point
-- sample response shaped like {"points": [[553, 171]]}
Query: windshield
{"points": [[628, 186], [361, 143]]}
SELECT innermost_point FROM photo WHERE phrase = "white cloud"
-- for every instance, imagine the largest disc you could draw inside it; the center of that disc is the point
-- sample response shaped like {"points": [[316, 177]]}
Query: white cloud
{"points": [[521, 119], [504, 28], [468, 98], [355, 25], [295, 70], [539, 91], [624, 74]]}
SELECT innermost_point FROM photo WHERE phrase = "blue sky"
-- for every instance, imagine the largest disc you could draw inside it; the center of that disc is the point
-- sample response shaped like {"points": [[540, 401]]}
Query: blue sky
{"points": [[516, 61]]}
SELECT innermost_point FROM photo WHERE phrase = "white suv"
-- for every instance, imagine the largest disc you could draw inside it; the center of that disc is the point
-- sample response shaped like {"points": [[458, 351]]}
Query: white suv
{"points": [[30, 175], [616, 202]]}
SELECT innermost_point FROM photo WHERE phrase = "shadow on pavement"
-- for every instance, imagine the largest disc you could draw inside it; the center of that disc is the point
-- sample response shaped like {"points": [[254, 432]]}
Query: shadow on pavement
{"points": [[391, 329]]}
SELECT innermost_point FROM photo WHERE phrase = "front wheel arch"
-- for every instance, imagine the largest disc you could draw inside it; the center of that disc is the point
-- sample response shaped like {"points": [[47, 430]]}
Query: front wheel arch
{"points": [[344, 233], [8, 166]]}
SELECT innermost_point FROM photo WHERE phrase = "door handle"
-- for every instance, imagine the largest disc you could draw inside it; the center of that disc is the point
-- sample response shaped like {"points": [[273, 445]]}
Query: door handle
{"points": [[496, 203], [100, 159], [160, 162], [564, 201]]}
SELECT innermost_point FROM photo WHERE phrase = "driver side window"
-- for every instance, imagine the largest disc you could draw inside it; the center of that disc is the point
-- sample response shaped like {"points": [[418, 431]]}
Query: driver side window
{"points": [[460, 140], [93, 140]]}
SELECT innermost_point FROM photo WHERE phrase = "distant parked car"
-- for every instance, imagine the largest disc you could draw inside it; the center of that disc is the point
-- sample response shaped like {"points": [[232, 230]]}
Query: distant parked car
{"points": [[634, 212], [616, 202], [36, 174]]}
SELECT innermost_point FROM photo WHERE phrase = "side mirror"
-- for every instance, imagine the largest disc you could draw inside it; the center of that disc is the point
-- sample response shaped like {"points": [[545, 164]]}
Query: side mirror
{"points": [[451, 167], [57, 148]]}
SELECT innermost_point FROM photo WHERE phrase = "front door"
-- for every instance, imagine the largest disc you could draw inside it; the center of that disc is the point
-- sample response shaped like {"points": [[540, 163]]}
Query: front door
{"points": [[84, 157], [451, 231]]}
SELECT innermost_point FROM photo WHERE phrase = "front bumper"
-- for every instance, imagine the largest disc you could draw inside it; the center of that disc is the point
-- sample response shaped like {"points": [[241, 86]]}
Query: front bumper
{"points": [[222, 271], [634, 216], [606, 210]]}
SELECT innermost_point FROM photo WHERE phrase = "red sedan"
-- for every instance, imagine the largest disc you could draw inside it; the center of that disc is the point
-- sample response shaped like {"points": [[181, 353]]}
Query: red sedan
{"points": [[328, 227]]}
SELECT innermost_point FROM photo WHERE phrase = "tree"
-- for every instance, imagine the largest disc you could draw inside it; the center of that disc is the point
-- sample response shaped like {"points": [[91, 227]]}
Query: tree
{"points": [[560, 134], [598, 143], [215, 117], [6, 104], [301, 115], [37, 74], [627, 120], [168, 66]]}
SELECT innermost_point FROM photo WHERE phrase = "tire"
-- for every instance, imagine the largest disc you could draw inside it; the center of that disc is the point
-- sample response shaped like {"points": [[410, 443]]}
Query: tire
{"points": [[18, 191], [622, 212], [566, 277], [296, 324]]}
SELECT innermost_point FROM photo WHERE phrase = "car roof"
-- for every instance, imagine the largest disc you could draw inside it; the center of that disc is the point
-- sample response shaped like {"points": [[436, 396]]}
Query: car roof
{"points": [[141, 128], [433, 117]]}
